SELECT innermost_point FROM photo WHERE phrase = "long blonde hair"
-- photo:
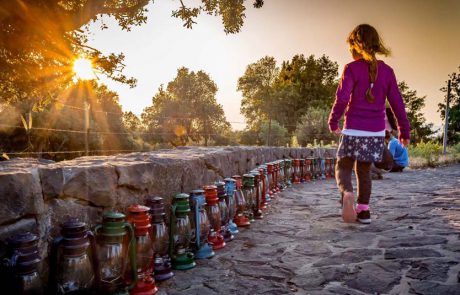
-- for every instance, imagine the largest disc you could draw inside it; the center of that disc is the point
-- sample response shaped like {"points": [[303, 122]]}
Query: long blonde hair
{"points": [[365, 41]]}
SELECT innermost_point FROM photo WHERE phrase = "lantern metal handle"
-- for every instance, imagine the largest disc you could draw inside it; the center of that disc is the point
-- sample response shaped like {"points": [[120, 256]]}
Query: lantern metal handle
{"points": [[172, 228], [94, 258], [197, 223], [52, 282], [132, 254]]}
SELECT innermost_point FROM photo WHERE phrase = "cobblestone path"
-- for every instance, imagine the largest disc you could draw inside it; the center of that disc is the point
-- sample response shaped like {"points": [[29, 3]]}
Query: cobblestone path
{"points": [[302, 247]]}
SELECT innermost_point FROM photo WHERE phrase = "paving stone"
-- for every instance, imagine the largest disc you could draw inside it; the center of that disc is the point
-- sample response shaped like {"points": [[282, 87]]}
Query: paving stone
{"points": [[349, 256], [375, 277], [411, 253], [432, 288], [412, 241], [430, 269]]}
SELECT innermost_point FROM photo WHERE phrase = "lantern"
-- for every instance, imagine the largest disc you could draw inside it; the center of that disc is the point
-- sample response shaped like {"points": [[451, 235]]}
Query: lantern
{"points": [[288, 171], [215, 237], [267, 184], [276, 168], [307, 170], [257, 195], [271, 179], [224, 211], [241, 218], [296, 172], [302, 170], [116, 249], [249, 194], [329, 168], [71, 269], [139, 218], [21, 264], [262, 188], [180, 234], [317, 167], [202, 226], [281, 176], [230, 188], [160, 234]]}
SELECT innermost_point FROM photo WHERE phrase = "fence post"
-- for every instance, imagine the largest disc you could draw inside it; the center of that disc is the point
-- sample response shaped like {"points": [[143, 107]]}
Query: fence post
{"points": [[446, 120], [86, 127]]}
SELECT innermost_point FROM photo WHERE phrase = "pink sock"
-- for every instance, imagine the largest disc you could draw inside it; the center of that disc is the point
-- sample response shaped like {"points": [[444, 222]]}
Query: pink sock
{"points": [[362, 207]]}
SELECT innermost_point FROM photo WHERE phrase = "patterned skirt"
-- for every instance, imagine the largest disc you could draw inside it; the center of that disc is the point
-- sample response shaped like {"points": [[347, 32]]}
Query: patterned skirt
{"points": [[361, 148]]}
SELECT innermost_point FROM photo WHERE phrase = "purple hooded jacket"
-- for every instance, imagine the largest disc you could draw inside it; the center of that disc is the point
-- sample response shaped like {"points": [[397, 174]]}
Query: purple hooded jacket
{"points": [[359, 113]]}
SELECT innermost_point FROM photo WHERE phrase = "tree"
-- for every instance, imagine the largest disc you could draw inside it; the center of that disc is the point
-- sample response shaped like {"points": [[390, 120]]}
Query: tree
{"points": [[303, 84], [286, 94], [59, 126], [313, 127], [132, 122], [39, 39], [278, 134], [414, 104], [257, 86], [186, 110], [454, 108]]}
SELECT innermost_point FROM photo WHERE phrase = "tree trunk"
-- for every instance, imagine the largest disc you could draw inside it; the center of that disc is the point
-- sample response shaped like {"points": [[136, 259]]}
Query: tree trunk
{"points": [[269, 134]]}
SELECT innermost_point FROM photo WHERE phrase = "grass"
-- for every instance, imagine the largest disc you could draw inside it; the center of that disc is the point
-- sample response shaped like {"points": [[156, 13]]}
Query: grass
{"points": [[429, 154]]}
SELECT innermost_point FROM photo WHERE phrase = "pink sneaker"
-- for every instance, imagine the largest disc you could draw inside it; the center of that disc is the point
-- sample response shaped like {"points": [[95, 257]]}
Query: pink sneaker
{"points": [[348, 208]]}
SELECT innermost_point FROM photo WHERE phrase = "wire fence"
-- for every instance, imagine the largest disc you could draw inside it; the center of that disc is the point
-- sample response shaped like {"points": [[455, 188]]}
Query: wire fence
{"points": [[93, 132]]}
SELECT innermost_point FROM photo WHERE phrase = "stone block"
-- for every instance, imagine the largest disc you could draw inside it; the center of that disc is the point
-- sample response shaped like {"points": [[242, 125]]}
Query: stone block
{"points": [[20, 194], [60, 210], [95, 183], [52, 180]]}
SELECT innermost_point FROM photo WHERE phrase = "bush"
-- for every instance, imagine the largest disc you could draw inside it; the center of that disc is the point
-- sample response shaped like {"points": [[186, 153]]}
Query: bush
{"points": [[429, 154], [428, 151]]}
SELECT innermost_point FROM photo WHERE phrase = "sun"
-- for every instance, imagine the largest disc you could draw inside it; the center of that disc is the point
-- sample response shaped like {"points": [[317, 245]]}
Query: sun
{"points": [[83, 69]]}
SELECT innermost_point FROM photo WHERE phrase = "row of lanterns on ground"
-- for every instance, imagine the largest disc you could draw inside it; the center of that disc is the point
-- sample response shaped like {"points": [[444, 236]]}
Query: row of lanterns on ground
{"points": [[126, 254]]}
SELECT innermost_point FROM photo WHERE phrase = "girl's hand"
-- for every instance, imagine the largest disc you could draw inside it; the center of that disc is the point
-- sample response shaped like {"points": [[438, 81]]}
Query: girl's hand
{"points": [[404, 142], [337, 131]]}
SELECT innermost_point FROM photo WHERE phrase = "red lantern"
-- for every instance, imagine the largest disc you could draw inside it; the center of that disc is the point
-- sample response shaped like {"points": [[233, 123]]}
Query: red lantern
{"points": [[140, 219], [215, 238]]}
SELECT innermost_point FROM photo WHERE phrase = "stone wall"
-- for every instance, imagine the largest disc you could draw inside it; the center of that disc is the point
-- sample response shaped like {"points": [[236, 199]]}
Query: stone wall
{"points": [[40, 195]]}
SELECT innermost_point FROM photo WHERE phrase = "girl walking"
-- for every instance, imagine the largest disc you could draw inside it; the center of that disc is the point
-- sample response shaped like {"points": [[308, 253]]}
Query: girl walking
{"points": [[365, 85]]}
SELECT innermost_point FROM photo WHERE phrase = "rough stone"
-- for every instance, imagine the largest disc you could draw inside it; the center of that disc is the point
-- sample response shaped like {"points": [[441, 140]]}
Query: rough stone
{"points": [[60, 210], [349, 256], [52, 180], [95, 183], [375, 277], [430, 269], [412, 241], [432, 288], [21, 195], [411, 253]]}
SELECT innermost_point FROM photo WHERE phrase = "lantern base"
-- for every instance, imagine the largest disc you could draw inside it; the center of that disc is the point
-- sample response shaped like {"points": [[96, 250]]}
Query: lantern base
{"points": [[267, 198], [163, 269], [263, 205], [144, 286], [258, 214], [251, 217], [242, 221], [204, 252], [217, 241], [227, 234], [183, 261], [233, 227]]}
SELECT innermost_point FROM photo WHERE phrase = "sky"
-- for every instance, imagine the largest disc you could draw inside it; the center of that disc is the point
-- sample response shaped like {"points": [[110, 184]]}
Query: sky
{"points": [[424, 37]]}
